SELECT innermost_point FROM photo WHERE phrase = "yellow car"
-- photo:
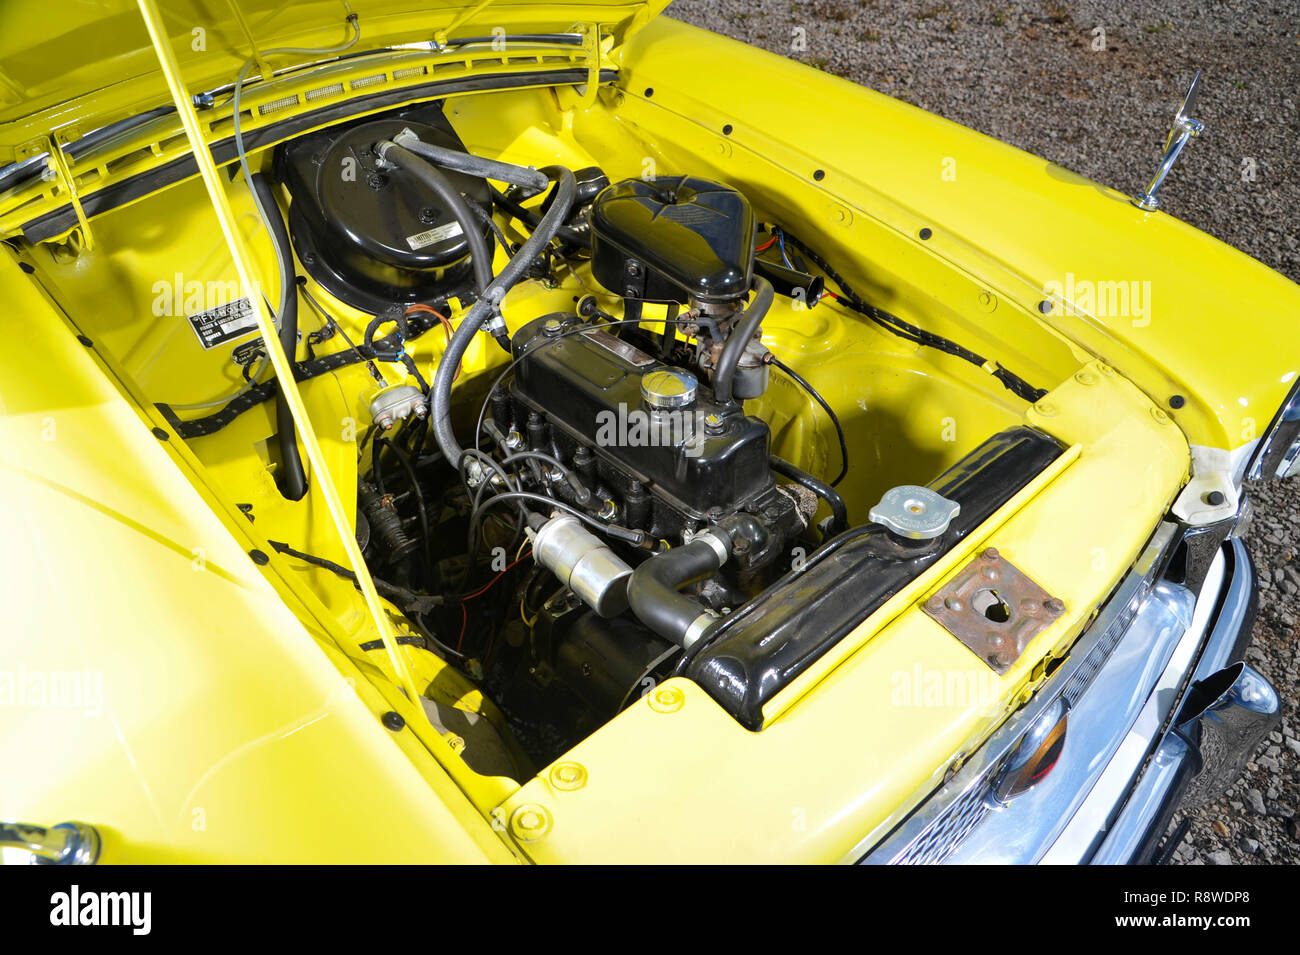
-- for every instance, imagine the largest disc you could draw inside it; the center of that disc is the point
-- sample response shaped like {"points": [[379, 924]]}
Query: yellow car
{"points": [[568, 436]]}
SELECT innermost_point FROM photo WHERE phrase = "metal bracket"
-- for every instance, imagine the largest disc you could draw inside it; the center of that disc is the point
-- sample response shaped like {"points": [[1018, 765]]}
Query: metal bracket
{"points": [[58, 165], [1211, 493], [993, 608], [591, 51]]}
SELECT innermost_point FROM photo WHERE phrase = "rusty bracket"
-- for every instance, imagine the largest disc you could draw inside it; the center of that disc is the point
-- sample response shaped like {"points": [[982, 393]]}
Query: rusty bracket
{"points": [[993, 608]]}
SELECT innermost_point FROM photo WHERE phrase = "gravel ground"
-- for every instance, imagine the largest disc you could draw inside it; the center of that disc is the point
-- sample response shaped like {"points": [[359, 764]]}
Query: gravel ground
{"points": [[1042, 77]]}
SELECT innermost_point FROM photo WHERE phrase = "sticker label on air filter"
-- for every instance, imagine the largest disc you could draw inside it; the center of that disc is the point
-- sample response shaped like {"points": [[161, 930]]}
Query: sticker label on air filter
{"points": [[223, 323], [421, 239]]}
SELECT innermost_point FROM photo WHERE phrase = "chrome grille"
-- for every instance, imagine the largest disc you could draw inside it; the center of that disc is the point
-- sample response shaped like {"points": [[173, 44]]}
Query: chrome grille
{"points": [[942, 836]]}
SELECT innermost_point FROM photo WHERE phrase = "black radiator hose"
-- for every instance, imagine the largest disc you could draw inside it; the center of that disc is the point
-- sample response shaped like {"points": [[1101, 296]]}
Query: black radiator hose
{"points": [[740, 336], [291, 479], [652, 590]]}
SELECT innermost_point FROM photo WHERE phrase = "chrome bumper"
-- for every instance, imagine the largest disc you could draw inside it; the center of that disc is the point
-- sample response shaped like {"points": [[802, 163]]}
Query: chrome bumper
{"points": [[1161, 712]]}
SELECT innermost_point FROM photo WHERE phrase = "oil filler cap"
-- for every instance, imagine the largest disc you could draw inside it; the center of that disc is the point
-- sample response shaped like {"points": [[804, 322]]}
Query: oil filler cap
{"points": [[665, 389], [914, 512]]}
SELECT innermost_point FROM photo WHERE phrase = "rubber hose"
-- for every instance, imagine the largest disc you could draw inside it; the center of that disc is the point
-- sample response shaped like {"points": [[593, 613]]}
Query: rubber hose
{"points": [[839, 511], [471, 165], [430, 175], [740, 336], [440, 393], [652, 590], [569, 234], [291, 478]]}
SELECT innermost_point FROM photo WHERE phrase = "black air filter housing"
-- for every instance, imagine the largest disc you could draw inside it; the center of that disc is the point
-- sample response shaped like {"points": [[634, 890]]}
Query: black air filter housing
{"points": [[375, 236], [678, 239]]}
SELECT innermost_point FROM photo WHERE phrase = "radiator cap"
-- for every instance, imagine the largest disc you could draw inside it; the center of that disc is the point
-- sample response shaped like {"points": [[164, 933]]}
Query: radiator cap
{"points": [[914, 512]]}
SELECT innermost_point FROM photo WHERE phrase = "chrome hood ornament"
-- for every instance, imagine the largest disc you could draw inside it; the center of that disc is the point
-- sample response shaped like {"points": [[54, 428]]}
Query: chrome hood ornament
{"points": [[1184, 128]]}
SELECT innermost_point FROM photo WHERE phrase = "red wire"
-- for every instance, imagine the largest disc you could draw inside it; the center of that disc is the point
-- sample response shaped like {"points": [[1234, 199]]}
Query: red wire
{"points": [[446, 326], [464, 613], [491, 583], [766, 245]]}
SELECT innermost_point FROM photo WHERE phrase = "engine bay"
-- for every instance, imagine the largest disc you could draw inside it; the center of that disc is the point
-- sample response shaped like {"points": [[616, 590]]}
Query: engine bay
{"points": [[588, 414]]}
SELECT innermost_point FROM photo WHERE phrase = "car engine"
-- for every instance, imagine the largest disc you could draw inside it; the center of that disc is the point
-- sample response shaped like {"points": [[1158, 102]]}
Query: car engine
{"points": [[570, 523]]}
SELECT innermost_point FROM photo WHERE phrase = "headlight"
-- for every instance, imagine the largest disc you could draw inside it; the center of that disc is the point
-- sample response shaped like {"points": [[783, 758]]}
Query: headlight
{"points": [[1279, 451]]}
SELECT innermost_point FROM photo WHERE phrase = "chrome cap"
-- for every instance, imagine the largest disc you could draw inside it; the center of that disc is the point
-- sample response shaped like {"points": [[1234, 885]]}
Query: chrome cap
{"points": [[914, 512], [667, 388]]}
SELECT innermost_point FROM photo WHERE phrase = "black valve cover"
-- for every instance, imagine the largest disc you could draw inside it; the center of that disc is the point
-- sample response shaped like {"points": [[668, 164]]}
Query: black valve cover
{"points": [[582, 382], [674, 239]]}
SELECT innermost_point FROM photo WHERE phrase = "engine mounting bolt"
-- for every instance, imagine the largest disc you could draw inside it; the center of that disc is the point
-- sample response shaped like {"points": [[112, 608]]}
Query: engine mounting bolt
{"points": [[1055, 604], [954, 604], [990, 553], [530, 822], [552, 326], [569, 776], [666, 699], [633, 268]]}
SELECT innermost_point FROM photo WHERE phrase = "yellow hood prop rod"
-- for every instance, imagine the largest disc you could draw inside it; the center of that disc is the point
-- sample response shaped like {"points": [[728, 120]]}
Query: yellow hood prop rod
{"points": [[324, 484]]}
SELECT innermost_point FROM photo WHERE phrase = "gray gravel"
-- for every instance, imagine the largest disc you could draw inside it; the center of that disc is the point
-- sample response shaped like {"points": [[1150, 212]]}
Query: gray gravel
{"points": [[1028, 74]]}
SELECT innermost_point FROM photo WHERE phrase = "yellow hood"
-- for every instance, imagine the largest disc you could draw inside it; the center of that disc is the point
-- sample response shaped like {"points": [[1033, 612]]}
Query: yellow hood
{"points": [[91, 63]]}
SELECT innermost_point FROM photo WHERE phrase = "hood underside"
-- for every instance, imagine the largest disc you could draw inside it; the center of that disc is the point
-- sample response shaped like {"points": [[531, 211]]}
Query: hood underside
{"points": [[93, 63]]}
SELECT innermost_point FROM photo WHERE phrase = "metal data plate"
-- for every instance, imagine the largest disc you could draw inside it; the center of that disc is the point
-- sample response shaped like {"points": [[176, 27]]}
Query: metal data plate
{"points": [[994, 609]]}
